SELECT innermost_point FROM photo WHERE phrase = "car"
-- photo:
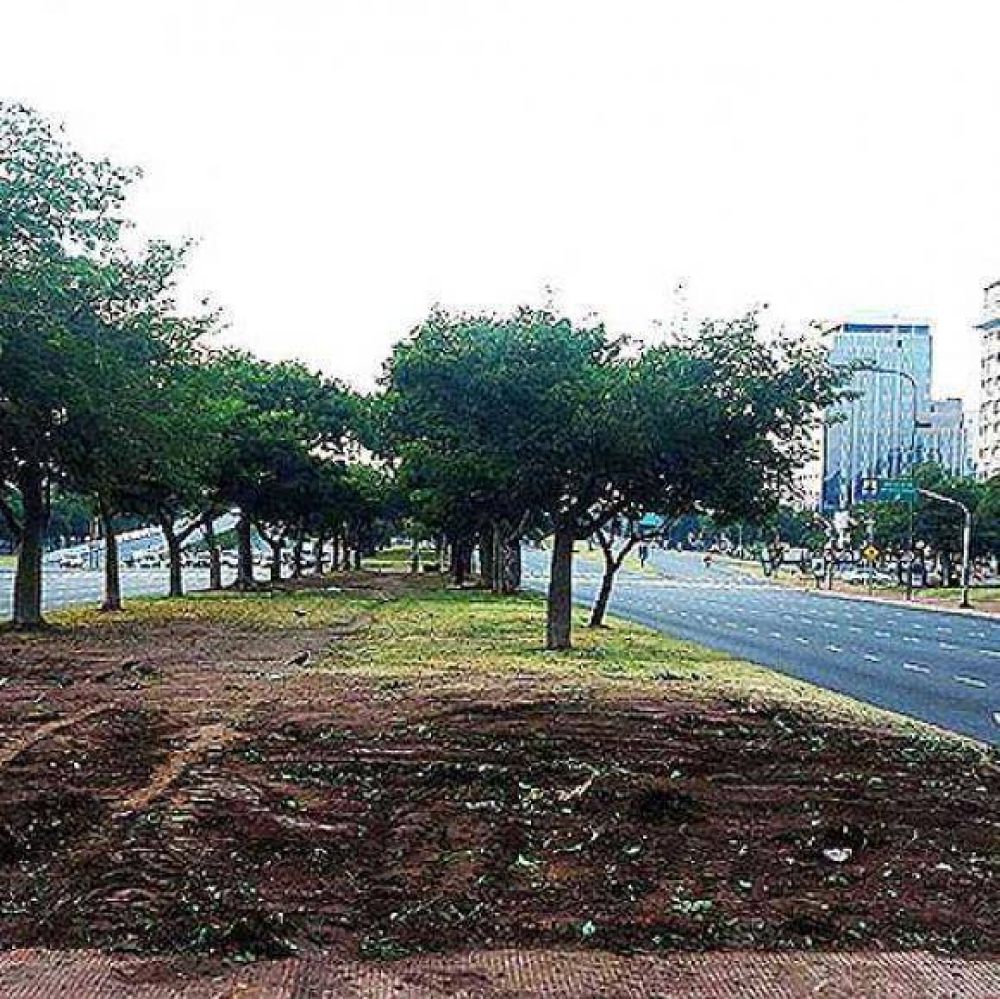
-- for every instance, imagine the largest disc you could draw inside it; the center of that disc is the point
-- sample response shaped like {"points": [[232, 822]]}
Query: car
{"points": [[72, 562]]}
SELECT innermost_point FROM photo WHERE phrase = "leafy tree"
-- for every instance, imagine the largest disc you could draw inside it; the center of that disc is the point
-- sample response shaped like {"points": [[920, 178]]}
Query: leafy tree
{"points": [[715, 423], [282, 413], [60, 215]]}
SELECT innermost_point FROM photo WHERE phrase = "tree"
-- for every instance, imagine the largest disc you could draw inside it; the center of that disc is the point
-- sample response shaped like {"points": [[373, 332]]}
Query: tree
{"points": [[716, 423], [60, 213], [281, 413], [125, 435]]}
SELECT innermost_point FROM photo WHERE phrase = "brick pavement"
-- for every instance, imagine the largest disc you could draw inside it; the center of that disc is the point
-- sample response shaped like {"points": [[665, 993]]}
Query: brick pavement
{"points": [[28, 974]]}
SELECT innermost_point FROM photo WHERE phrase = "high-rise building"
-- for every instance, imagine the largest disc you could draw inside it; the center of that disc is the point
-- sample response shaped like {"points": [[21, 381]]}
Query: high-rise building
{"points": [[988, 438], [873, 434], [943, 437]]}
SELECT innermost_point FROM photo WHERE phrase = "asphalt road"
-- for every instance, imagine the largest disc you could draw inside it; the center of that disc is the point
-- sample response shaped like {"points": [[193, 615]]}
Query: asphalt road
{"points": [[939, 667], [66, 587]]}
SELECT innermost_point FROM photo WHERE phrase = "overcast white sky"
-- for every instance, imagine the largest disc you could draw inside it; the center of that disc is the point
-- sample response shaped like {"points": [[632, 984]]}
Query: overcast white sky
{"points": [[346, 164]]}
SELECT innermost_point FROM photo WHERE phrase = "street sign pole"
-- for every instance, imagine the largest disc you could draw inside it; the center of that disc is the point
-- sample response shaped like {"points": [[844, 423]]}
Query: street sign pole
{"points": [[909, 548]]}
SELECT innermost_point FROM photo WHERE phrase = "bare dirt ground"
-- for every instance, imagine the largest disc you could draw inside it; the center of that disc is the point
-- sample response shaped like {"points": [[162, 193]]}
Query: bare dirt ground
{"points": [[185, 785]]}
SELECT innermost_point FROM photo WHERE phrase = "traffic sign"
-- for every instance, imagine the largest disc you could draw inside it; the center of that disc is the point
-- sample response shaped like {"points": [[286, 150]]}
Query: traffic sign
{"points": [[870, 553], [896, 489]]}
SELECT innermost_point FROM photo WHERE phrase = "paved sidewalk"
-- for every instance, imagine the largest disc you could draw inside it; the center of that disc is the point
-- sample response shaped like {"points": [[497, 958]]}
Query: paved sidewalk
{"points": [[29, 974]]}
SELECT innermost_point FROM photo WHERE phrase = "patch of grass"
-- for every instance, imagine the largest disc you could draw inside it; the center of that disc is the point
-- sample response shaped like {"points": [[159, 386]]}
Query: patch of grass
{"points": [[427, 629], [268, 610]]}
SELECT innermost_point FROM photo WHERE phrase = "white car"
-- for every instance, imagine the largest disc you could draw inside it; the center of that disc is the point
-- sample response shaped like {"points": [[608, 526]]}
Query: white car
{"points": [[72, 562]]}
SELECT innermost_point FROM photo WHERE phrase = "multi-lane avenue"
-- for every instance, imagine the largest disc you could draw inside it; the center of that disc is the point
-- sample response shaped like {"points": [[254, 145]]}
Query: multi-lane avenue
{"points": [[939, 667], [68, 587]]}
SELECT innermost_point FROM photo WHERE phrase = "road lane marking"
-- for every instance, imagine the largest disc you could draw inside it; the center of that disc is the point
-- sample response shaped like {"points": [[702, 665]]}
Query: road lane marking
{"points": [[916, 668], [970, 681], [882, 634], [854, 628], [871, 658], [910, 638], [990, 652], [947, 645]]}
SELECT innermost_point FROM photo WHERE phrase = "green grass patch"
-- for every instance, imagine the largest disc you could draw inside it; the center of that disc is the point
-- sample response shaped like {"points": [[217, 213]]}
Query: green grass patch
{"points": [[425, 629]]}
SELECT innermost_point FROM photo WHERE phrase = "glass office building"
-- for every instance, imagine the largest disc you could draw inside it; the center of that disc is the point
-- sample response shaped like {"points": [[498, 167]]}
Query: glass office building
{"points": [[872, 435]]}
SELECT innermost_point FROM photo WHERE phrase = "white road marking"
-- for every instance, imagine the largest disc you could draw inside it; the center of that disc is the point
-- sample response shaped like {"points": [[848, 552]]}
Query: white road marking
{"points": [[990, 652], [882, 634], [970, 681], [947, 645], [910, 638], [916, 668], [854, 628], [942, 627], [871, 658], [752, 629]]}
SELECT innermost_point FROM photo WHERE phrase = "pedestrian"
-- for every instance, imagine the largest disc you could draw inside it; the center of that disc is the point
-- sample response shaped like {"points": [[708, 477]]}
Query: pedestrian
{"points": [[643, 554]]}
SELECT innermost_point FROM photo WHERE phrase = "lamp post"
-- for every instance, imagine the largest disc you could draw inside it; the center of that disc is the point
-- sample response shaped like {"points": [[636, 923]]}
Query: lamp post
{"points": [[915, 423], [966, 538]]}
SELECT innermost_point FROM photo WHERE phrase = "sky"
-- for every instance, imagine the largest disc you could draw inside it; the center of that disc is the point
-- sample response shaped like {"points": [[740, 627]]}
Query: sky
{"points": [[345, 165]]}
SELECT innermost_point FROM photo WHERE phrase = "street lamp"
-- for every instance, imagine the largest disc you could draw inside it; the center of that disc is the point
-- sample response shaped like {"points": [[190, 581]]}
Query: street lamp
{"points": [[966, 539]]}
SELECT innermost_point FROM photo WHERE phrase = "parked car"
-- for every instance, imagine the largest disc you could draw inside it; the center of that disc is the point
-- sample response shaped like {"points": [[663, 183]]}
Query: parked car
{"points": [[73, 561]]}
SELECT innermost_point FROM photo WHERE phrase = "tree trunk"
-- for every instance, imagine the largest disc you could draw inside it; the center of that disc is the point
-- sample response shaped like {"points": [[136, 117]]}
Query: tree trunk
{"points": [[297, 556], [277, 547], [486, 567], [318, 554], [112, 576], [559, 612], [335, 551], [604, 594], [459, 561], [414, 556], [497, 539], [511, 574], [612, 563], [174, 555], [214, 556], [357, 557], [244, 553], [28, 577]]}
